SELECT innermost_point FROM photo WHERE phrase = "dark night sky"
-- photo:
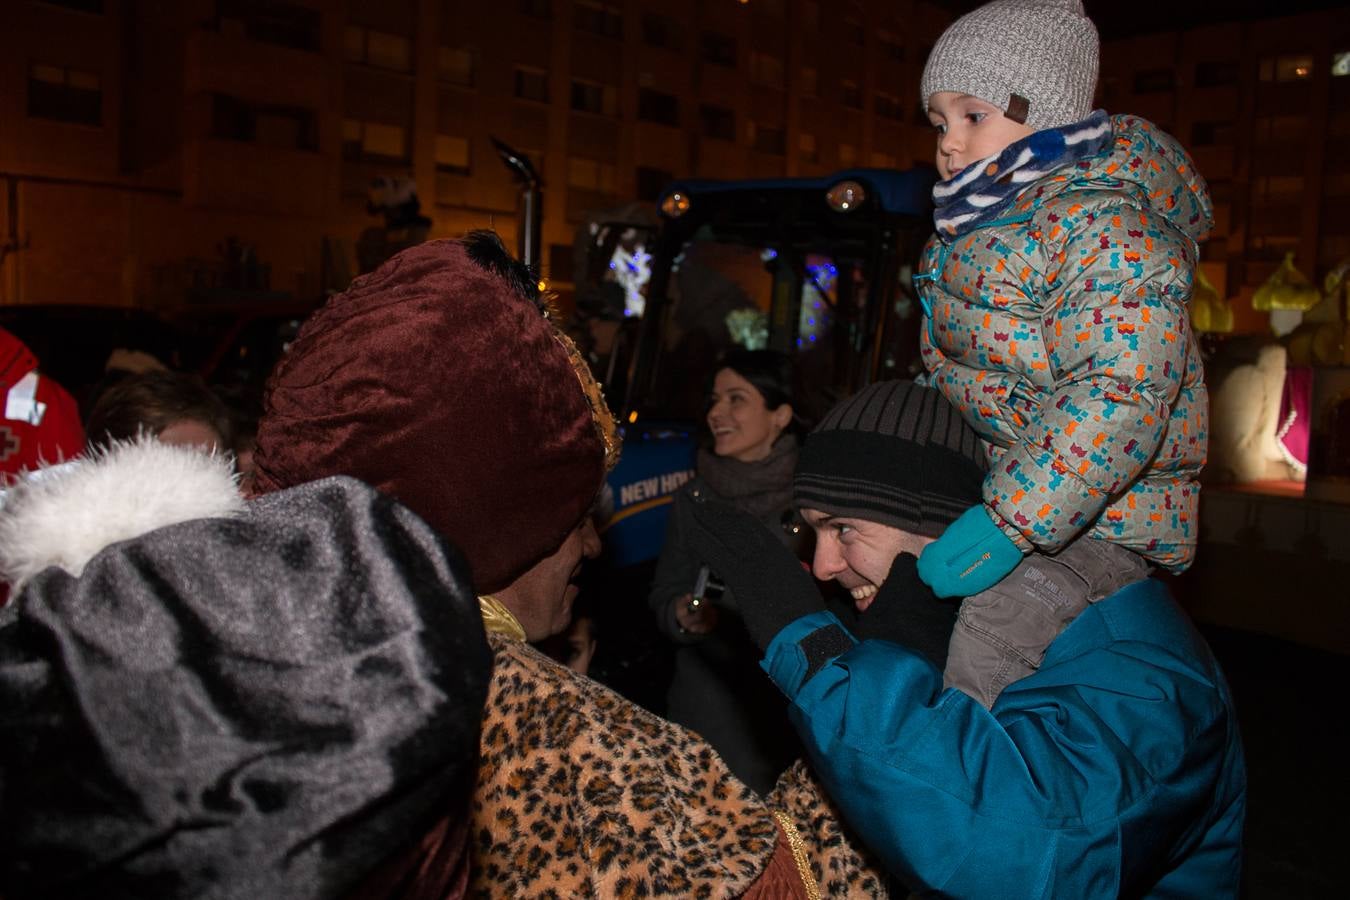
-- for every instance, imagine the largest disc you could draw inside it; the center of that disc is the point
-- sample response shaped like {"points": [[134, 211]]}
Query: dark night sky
{"points": [[1116, 19]]}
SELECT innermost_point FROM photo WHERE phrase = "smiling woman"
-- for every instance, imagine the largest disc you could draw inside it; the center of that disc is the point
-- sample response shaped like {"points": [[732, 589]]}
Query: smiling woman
{"points": [[717, 689]]}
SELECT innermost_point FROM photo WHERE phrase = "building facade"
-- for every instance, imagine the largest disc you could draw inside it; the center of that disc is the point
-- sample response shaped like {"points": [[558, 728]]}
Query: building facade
{"points": [[138, 139]]}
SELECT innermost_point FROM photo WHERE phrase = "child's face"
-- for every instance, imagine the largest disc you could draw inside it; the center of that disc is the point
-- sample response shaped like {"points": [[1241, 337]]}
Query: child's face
{"points": [[969, 130]]}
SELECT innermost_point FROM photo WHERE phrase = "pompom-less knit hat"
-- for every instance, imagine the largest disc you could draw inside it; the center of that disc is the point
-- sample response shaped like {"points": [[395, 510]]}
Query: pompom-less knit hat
{"points": [[896, 453], [440, 379], [1034, 59]]}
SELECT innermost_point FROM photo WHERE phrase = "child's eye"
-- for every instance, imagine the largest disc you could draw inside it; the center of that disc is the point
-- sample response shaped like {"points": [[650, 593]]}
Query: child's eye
{"points": [[976, 117], [939, 127]]}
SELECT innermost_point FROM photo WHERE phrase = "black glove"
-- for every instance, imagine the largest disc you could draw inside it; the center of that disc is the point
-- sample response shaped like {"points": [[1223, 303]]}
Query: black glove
{"points": [[907, 612], [770, 585]]}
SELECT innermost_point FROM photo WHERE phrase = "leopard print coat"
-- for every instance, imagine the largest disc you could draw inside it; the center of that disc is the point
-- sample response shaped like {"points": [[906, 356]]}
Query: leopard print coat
{"points": [[584, 794]]}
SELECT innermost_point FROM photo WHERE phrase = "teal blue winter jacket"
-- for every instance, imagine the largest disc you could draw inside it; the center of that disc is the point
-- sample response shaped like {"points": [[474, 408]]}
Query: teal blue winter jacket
{"points": [[1114, 770]]}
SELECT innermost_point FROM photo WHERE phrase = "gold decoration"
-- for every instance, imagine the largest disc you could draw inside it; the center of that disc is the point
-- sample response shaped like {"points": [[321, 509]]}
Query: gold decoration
{"points": [[1286, 288], [798, 854], [1209, 311], [498, 619]]}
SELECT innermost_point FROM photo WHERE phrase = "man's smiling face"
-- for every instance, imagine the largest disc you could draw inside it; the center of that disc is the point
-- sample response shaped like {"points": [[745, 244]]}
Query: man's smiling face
{"points": [[858, 553]]}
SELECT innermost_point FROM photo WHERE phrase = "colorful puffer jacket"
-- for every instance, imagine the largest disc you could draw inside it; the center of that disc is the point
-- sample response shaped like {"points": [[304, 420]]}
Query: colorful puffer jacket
{"points": [[1060, 329]]}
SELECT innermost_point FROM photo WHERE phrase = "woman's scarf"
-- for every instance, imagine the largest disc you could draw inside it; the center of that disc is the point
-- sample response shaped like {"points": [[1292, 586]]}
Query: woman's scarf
{"points": [[762, 488], [982, 190]]}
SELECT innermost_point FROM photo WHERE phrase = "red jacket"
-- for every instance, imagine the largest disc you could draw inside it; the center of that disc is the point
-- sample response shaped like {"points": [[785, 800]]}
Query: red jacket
{"points": [[40, 421]]}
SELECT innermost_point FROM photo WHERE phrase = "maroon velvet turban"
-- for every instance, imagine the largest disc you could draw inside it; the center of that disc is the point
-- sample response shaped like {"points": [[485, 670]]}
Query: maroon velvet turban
{"points": [[436, 382]]}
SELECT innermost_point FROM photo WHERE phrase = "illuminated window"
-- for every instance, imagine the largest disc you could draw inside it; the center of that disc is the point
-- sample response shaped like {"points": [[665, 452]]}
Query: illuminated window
{"points": [[591, 175], [455, 66], [806, 147], [377, 48], [452, 154], [271, 22], [374, 141], [883, 160], [1295, 67], [848, 155], [64, 94], [766, 70], [532, 84], [233, 119]]}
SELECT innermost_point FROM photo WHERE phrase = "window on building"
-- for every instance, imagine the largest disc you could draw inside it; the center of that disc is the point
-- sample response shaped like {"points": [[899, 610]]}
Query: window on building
{"points": [[591, 97], [888, 106], [882, 160], [377, 48], [772, 7], [717, 49], [810, 82], [851, 94], [1205, 134], [766, 70], [854, 32], [656, 106], [532, 84], [1280, 129], [1340, 64], [64, 94], [1293, 67], [455, 65], [87, 6], [663, 32], [768, 139], [272, 22], [290, 128], [651, 182], [591, 175], [891, 47], [806, 147], [452, 154], [374, 141], [848, 155], [598, 18], [1152, 81], [535, 9], [718, 122], [1217, 73]]}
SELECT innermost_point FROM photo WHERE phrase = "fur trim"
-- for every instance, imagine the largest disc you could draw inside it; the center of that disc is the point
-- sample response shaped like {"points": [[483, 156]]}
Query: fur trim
{"points": [[64, 515]]}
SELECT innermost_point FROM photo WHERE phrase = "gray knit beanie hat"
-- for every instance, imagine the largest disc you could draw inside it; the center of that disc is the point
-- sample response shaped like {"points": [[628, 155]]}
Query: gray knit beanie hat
{"points": [[896, 453], [1034, 59]]}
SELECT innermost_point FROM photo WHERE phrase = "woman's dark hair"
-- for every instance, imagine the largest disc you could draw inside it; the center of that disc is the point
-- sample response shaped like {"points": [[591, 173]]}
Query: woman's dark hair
{"points": [[153, 401], [768, 370]]}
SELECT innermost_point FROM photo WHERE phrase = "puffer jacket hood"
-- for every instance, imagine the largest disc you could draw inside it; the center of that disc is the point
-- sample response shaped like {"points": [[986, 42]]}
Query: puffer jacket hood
{"points": [[1152, 166]]}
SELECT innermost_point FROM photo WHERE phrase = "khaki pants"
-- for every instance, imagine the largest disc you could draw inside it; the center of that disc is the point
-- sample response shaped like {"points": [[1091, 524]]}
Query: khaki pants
{"points": [[1001, 634]]}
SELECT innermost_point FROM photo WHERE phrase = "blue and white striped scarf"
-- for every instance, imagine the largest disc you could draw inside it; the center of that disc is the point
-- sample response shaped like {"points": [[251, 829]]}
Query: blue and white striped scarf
{"points": [[982, 190]]}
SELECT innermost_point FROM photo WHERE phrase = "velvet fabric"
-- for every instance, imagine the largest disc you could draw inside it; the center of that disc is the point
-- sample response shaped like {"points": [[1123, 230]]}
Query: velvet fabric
{"points": [[273, 705], [432, 380]]}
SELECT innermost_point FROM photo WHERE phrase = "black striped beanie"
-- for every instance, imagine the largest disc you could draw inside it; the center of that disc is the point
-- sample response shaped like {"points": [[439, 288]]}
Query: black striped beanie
{"points": [[897, 453]]}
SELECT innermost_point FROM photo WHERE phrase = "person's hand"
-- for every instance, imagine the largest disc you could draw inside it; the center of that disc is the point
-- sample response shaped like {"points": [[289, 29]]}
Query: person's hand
{"points": [[972, 555], [907, 612], [694, 619], [771, 587]]}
